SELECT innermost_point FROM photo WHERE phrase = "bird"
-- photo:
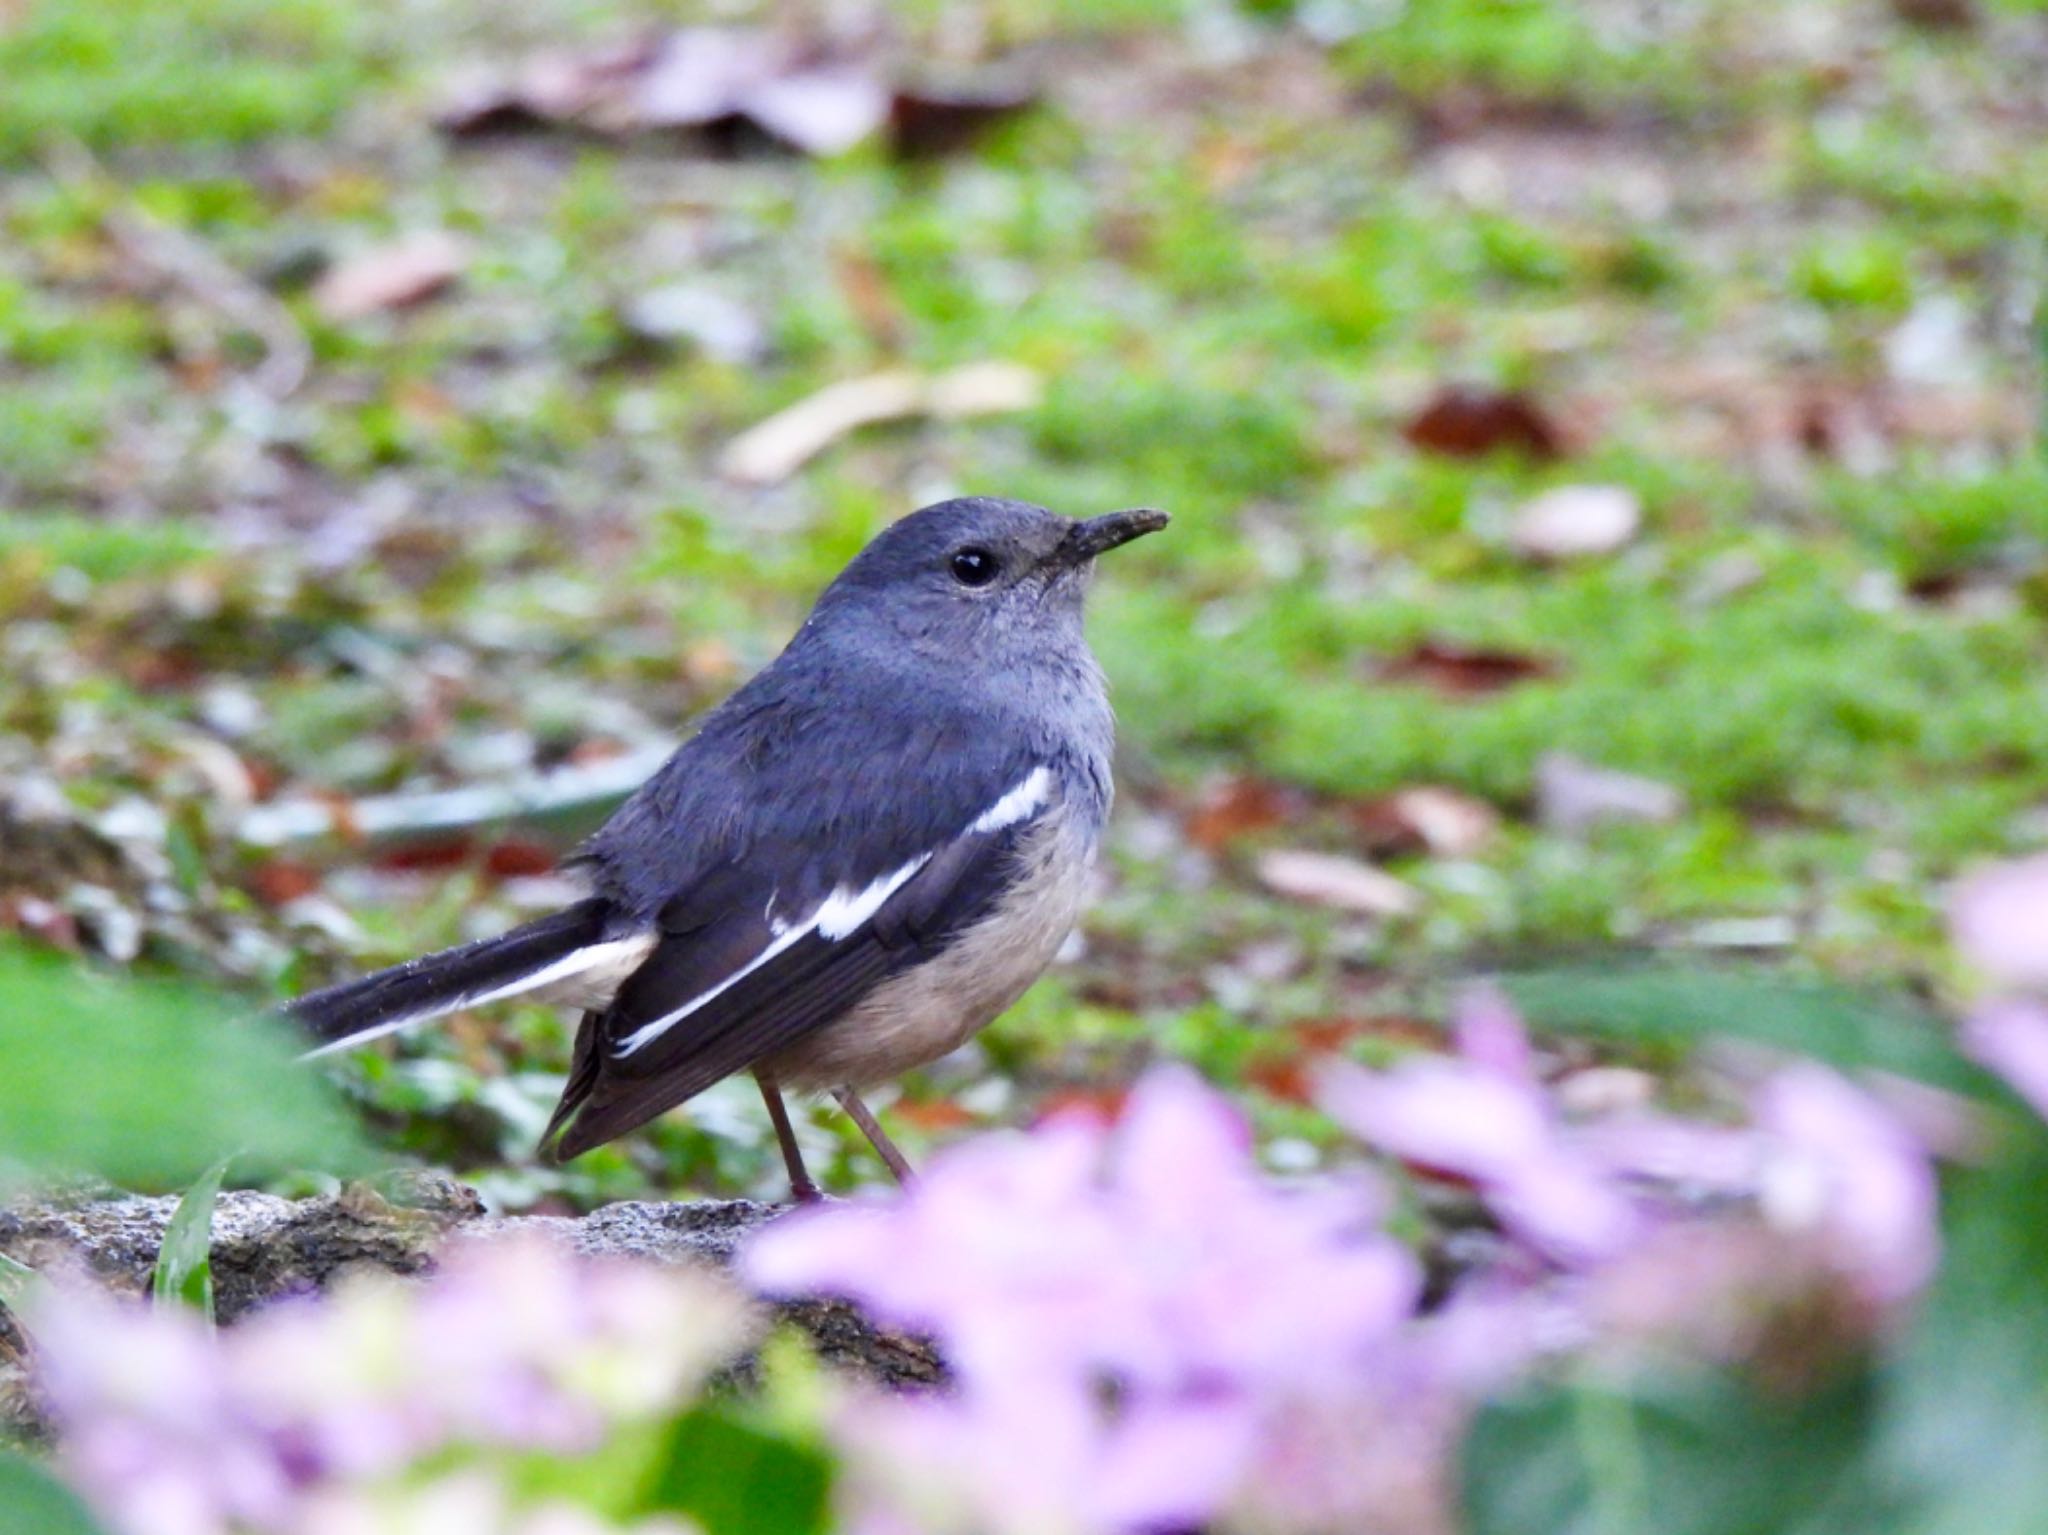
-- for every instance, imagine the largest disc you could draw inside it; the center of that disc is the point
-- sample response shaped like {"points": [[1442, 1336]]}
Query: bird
{"points": [[860, 858]]}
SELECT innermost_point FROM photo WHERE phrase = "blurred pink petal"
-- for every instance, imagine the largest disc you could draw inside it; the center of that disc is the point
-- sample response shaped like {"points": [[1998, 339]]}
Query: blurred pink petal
{"points": [[1441, 1114], [1489, 1034], [1999, 919], [1565, 1205], [2011, 1038], [1847, 1165], [1171, 1465]]}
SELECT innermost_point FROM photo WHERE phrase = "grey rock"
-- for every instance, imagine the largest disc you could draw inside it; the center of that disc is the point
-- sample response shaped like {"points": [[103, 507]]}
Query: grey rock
{"points": [[267, 1249]]}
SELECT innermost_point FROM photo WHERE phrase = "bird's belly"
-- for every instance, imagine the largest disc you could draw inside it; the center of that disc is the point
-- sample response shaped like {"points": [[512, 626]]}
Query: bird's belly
{"points": [[931, 1010]]}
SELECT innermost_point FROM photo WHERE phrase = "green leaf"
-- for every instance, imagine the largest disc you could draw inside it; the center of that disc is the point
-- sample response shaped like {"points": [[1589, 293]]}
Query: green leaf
{"points": [[149, 1083], [1684, 1006], [184, 1263], [1686, 1451], [735, 1476], [17, 1282], [1967, 1398], [36, 1503]]}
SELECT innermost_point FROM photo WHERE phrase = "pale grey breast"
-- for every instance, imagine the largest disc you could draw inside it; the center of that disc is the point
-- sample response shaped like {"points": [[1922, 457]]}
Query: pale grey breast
{"points": [[914, 1018]]}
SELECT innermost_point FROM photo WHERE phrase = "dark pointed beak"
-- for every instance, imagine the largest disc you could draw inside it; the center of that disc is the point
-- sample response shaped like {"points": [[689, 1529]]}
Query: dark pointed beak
{"points": [[1098, 535]]}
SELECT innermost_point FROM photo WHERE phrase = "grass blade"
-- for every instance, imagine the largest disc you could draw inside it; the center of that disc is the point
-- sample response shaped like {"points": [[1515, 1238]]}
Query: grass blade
{"points": [[184, 1264]]}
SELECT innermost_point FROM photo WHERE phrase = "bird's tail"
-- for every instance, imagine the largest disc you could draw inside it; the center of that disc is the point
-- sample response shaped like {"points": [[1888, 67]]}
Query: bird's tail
{"points": [[552, 949]]}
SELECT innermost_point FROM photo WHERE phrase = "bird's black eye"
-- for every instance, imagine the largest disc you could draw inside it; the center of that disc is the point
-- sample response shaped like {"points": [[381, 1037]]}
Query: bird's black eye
{"points": [[974, 566]]}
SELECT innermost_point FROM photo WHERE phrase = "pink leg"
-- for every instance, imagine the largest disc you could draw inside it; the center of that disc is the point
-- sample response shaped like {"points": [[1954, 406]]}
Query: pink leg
{"points": [[801, 1188], [871, 1127]]}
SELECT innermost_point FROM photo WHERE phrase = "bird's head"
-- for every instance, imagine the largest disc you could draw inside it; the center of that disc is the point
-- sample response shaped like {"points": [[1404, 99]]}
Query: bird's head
{"points": [[979, 574]]}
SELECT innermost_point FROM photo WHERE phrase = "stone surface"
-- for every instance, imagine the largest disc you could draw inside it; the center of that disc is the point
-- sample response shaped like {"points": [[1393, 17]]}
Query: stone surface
{"points": [[266, 1248]]}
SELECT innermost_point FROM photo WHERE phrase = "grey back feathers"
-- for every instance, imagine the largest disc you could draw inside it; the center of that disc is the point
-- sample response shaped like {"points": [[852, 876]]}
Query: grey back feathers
{"points": [[932, 741]]}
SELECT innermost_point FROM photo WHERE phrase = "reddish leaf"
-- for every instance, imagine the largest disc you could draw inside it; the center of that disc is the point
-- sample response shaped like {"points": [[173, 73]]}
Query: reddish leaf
{"points": [[514, 859], [1103, 1104], [1462, 670], [1461, 422], [430, 857], [280, 881], [1324, 1036], [933, 1116], [1287, 1078], [1235, 808]]}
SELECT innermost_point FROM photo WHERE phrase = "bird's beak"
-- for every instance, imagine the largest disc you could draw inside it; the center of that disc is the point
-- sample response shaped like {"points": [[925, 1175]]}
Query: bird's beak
{"points": [[1098, 535]]}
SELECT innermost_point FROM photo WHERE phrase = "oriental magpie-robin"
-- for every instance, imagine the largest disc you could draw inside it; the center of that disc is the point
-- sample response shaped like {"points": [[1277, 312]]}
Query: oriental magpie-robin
{"points": [[859, 859]]}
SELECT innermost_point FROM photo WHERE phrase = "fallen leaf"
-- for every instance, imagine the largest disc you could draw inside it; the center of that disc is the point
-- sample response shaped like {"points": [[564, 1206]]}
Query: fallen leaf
{"points": [[1463, 670], [1234, 808], [721, 328], [927, 123], [552, 87], [773, 450], [1938, 15], [1288, 1078], [1462, 422], [1576, 521], [1425, 819], [514, 858], [933, 1116], [408, 271], [1104, 1105], [715, 80], [278, 882], [1331, 879], [821, 111], [1573, 795]]}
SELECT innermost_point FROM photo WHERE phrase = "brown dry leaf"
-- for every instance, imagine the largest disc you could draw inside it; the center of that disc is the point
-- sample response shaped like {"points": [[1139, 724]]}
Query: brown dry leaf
{"points": [[408, 271], [1463, 422], [1235, 808], [1576, 522], [1331, 879], [1939, 15], [1464, 671], [927, 123], [1426, 819], [1573, 795], [775, 449]]}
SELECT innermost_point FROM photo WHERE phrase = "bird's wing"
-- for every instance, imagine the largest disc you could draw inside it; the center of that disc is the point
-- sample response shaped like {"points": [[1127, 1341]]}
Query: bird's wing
{"points": [[735, 976]]}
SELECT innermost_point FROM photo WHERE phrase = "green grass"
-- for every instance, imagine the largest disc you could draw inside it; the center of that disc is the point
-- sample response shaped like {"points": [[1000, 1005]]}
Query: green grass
{"points": [[1238, 283]]}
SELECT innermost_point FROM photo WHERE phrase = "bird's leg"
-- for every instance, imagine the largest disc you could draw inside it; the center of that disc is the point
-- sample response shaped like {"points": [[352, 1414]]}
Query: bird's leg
{"points": [[878, 1138], [801, 1188]]}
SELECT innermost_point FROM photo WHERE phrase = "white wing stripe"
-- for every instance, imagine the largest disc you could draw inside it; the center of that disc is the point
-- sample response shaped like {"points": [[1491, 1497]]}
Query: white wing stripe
{"points": [[842, 913], [562, 969], [1022, 802]]}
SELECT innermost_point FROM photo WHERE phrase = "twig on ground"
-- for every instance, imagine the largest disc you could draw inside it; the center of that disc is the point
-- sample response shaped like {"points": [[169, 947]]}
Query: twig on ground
{"points": [[176, 257]]}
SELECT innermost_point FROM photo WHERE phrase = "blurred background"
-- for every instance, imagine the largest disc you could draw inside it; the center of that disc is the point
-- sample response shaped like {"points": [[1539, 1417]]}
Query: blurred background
{"points": [[1602, 438]]}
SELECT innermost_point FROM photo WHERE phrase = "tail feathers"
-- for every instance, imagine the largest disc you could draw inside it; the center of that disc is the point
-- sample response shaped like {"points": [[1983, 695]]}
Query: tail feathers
{"points": [[542, 953]]}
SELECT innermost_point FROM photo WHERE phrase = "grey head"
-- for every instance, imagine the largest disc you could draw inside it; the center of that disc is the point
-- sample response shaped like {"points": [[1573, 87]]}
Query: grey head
{"points": [[996, 581]]}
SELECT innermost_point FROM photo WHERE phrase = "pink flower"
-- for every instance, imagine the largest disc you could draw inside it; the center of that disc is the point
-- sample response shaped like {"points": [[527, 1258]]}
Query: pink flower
{"points": [[1484, 1116], [2011, 1038], [171, 1429], [1999, 919], [1844, 1164], [1154, 1263]]}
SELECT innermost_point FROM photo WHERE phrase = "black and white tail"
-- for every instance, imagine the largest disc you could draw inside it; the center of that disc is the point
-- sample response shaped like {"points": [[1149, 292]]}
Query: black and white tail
{"points": [[551, 951]]}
